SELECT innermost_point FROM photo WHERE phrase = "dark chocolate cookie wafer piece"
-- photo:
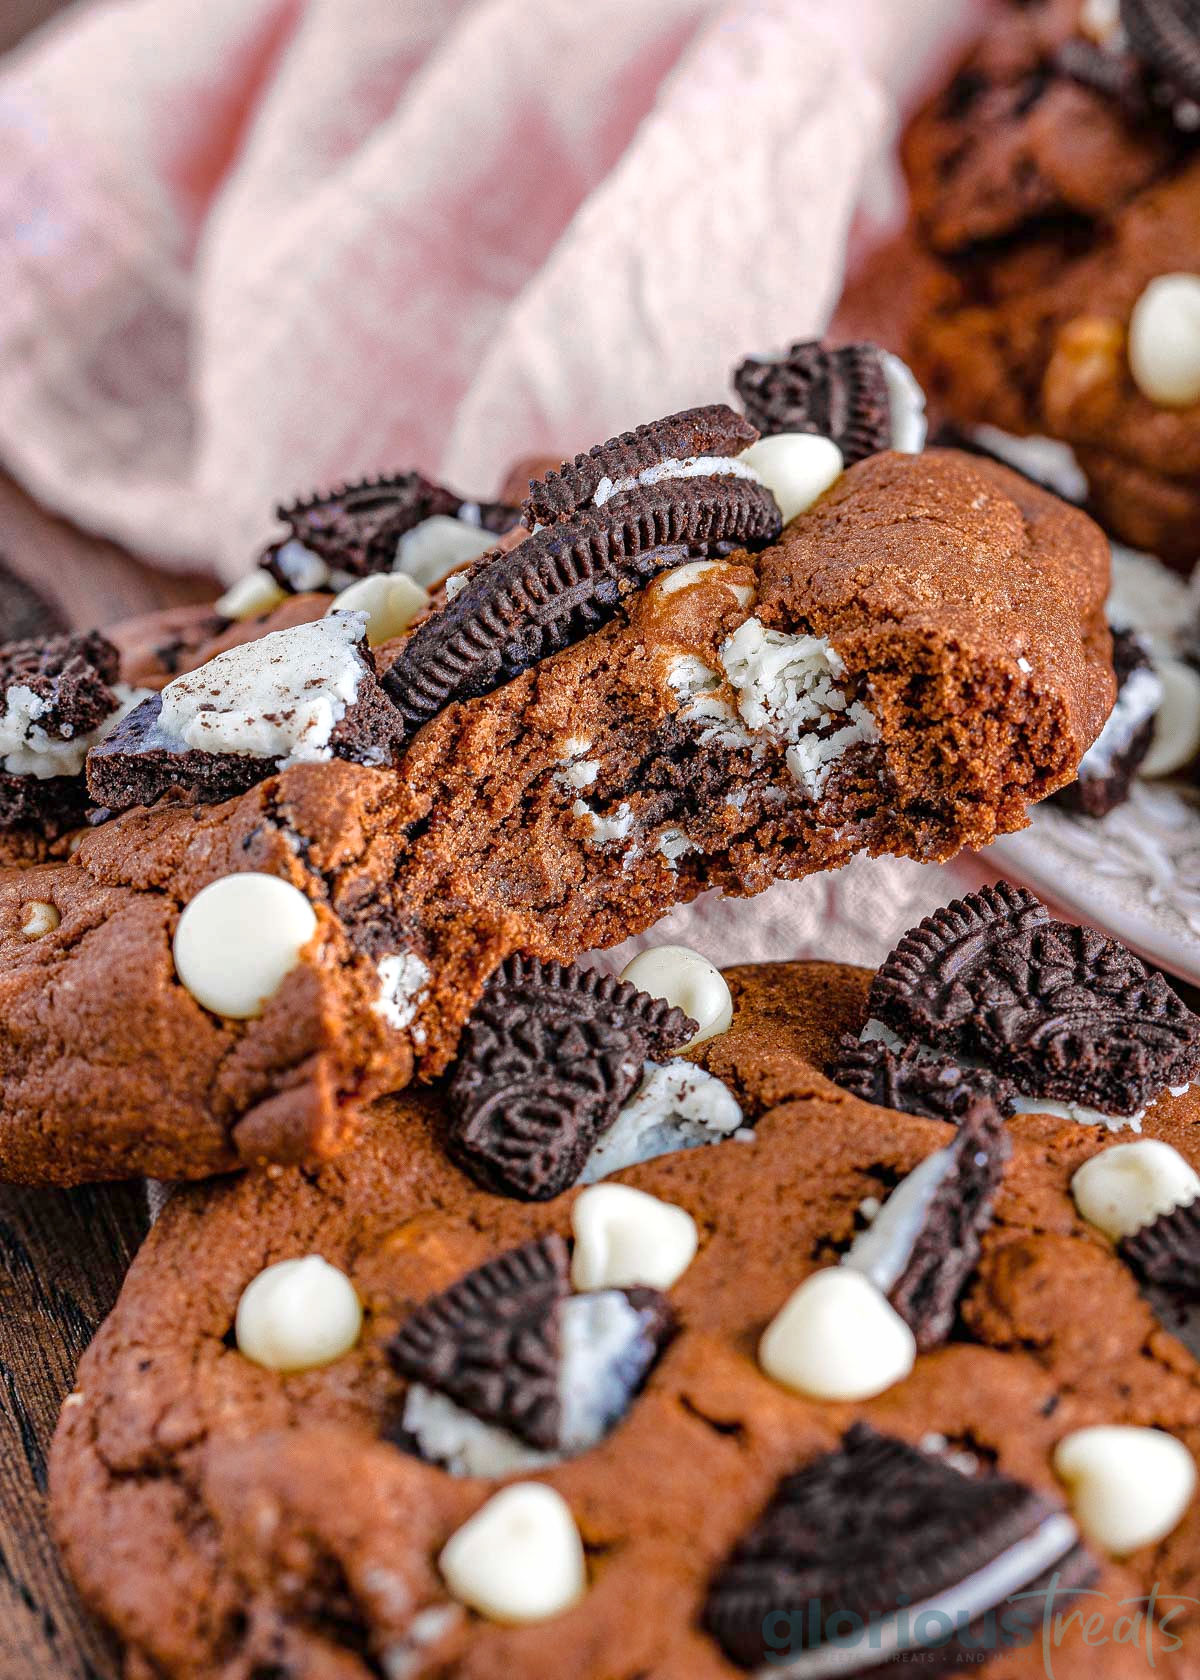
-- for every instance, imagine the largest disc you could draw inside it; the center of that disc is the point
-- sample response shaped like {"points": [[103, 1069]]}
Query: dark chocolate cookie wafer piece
{"points": [[491, 1342], [71, 678], [914, 1079], [839, 393], [25, 613], [714, 430], [924, 1243], [546, 1062], [566, 580], [871, 1533], [1107, 769], [355, 528], [1167, 1252], [1165, 36], [146, 757], [1066, 1013]]}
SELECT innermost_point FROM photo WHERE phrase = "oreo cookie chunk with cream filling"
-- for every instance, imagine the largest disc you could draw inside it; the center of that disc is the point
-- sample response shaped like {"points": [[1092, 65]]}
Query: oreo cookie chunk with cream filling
{"points": [[862, 397], [859, 685], [60, 697], [674, 491], [1107, 769], [566, 1491], [995, 989], [510, 1370], [399, 522], [897, 1543], [299, 696]]}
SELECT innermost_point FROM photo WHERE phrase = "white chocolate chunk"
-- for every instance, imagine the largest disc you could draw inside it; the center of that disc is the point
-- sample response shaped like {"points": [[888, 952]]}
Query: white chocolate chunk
{"points": [[796, 467], [280, 697], [41, 918], [1129, 1486], [303, 569], [1176, 738], [617, 827], [390, 600], [238, 939], [1131, 1185], [682, 977], [906, 405], [250, 596], [837, 1338], [695, 571], [625, 1237], [1100, 20], [519, 1559], [298, 1314], [438, 546], [1164, 341], [884, 1249]]}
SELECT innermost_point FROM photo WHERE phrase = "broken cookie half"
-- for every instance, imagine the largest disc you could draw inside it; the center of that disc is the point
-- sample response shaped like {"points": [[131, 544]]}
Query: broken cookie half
{"points": [[663, 690]]}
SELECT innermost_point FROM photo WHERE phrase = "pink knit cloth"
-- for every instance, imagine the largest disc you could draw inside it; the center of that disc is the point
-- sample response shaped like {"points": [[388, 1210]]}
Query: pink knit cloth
{"points": [[248, 247]]}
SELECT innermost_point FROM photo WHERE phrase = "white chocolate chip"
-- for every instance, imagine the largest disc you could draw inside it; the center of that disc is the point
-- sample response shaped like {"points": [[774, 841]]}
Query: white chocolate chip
{"points": [[390, 600], [796, 467], [683, 977], [250, 597], [40, 919], [238, 938], [1176, 738], [1129, 1487], [519, 1559], [1131, 1184], [1100, 20], [1164, 341], [624, 1237], [837, 1338], [298, 1314], [438, 546], [696, 571]]}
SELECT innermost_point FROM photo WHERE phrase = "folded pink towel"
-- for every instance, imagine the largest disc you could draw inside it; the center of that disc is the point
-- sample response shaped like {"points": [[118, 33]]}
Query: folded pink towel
{"points": [[250, 246]]}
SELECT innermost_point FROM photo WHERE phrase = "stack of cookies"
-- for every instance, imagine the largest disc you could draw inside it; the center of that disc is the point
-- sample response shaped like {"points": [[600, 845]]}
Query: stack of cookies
{"points": [[556, 1323]]}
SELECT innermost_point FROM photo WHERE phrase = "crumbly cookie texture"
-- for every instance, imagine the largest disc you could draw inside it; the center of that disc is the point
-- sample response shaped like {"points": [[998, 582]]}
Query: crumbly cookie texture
{"points": [[228, 1520], [920, 657], [1055, 183]]}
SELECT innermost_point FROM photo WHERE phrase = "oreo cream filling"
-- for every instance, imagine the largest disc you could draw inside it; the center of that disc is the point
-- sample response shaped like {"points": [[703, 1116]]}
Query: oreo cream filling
{"points": [[1139, 699], [695, 466], [1044, 460], [884, 1249], [280, 697], [606, 1351], [677, 1106], [906, 405], [403, 982]]}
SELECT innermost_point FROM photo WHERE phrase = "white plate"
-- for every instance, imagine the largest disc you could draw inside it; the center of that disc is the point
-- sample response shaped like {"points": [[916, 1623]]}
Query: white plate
{"points": [[1135, 872]]}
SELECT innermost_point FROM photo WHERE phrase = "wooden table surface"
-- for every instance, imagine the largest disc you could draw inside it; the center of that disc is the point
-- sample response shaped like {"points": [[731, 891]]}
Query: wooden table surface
{"points": [[62, 1253]]}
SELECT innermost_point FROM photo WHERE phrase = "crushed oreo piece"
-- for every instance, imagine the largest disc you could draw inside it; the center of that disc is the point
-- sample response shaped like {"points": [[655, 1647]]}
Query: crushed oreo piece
{"points": [[913, 1079], [1068, 1014], [876, 1530], [837, 393], [298, 695], [70, 679], [1167, 1252], [1107, 769], [26, 614], [1165, 36], [1115, 75], [546, 1062], [564, 581], [355, 528], [924, 1243], [714, 430], [492, 1341]]}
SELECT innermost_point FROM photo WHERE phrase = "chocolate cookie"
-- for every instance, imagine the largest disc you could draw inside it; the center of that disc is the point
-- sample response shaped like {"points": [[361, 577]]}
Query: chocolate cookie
{"points": [[226, 1511], [919, 657], [1055, 186]]}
